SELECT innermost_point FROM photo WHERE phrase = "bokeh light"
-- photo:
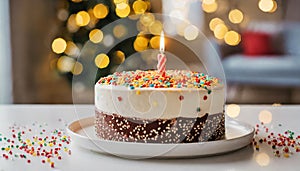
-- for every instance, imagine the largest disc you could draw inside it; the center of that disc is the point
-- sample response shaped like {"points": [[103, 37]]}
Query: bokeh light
{"points": [[235, 16], [274, 7], [214, 22], [140, 43], [77, 69], [122, 10], [119, 31], [266, 5], [62, 14], [72, 49], [232, 38], [102, 60], [147, 19], [191, 32], [120, 1], [155, 42], [233, 110], [262, 159], [139, 7], [100, 11], [71, 24], [265, 116], [210, 8], [220, 31], [108, 40], [96, 36], [118, 57], [59, 45], [82, 18], [156, 27], [208, 1], [65, 64]]}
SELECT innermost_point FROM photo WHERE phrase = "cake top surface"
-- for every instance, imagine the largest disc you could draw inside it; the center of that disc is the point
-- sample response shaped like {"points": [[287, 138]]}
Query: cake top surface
{"points": [[154, 79]]}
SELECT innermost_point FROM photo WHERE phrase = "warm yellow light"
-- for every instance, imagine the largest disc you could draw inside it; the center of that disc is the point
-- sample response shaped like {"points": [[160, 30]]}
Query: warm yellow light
{"points": [[155, 42], [265, 116], [233, 110], [62, 14], [119, 31], [220, 31], [162, 42], [191, 32], [102, 60], [147, 19], [120, 1], [139, 7], [71, 24], [118, 57], [262, 159], [210, 8], [208, 1], [65, 64], [156, 27], [274, 7], [140, 27], [77, 69], [72, 49], [100, 11], [96, 36], [232, 38], [140, 43], [266, 5], [180, 28], [236, 16], [76, 1], [122, 10], [82, 18], [59, 45], [214, 22]]}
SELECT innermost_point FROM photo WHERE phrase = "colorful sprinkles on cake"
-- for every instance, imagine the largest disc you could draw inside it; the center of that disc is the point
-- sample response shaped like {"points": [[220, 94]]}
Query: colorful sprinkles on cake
{"points": [[29, 142], [283, 144], [153, 79]]}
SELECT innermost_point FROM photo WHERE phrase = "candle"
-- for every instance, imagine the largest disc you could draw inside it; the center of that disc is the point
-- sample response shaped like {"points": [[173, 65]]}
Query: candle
{"points": [[161, 57]]}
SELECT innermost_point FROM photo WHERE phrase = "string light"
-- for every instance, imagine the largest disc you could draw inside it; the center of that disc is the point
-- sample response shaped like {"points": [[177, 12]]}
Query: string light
{"points": [[82, 18], [214, 22], [96, 36], [232, 38], [122, 10], [102, 60], [100, 11], [139, 7], [220, 31], [59, 45], [235, 16]]}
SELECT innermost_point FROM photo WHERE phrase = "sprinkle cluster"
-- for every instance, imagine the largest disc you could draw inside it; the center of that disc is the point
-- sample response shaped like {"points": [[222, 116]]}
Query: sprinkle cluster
{"points": [[153, 79], [283, 144], [34, 142]]}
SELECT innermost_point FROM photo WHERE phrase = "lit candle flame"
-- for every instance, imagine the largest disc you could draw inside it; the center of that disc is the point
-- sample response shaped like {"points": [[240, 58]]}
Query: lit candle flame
{"points": [[162, 42]]}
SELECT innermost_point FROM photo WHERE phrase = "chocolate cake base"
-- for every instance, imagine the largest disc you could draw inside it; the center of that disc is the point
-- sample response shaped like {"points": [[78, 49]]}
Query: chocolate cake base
{"points": [[177, 130]]}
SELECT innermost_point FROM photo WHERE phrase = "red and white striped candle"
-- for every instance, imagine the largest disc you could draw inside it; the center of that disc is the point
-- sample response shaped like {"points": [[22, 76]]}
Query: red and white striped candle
{"points": [[161, 57]]}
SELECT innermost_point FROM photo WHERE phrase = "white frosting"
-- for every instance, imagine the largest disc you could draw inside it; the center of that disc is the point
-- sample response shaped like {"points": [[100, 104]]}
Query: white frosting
{"points": [[154, 103]]}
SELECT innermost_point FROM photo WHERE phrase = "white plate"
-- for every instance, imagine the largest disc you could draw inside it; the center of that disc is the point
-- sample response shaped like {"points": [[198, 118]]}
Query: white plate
{"points": [[238, 135]]}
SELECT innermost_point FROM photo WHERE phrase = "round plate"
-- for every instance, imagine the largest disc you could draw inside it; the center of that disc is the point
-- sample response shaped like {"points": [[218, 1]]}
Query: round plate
{"points": [[238, 135]]}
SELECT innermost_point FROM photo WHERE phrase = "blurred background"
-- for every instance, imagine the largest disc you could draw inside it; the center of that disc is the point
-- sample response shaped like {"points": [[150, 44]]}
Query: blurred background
{"points": [[258, 43]]}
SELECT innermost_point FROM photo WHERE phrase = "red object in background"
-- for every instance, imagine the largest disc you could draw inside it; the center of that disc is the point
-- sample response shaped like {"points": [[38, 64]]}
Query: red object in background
{"points": [[256, 43]]}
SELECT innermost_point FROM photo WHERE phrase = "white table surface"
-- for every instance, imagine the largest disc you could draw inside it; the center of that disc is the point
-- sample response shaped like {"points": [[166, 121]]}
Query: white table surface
{"points": [[245, 159]]}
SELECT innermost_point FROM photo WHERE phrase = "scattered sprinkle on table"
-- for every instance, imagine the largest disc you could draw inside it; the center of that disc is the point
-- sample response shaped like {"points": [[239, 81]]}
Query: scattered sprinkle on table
{"points": [[283, 144], [35, 141]]}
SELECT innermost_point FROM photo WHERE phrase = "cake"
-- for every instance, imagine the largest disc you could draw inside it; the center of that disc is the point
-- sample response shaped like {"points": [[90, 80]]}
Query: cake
{"points": [[179, 106]]}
